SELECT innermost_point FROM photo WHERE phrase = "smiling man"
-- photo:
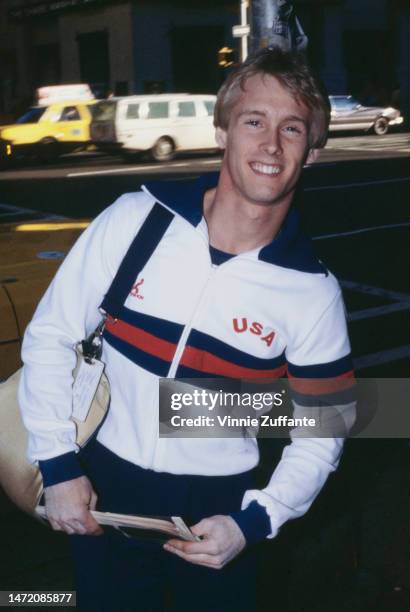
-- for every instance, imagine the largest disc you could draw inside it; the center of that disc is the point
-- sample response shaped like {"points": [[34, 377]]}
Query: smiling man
{"points": [[233, 289]]}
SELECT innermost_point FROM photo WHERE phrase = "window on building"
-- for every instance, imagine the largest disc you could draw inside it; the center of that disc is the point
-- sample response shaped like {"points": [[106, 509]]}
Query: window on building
{"points": [[133, 111], [210, 106], [158, 110], [70, 113], [186, 109]]}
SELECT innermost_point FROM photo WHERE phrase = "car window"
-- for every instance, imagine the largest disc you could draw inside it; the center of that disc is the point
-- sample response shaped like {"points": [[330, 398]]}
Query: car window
{"points": [[210, 106], [133, 111], [70, 113], [157, 110], [33, 115], [103, 111], [186, 109], [344, 103]]}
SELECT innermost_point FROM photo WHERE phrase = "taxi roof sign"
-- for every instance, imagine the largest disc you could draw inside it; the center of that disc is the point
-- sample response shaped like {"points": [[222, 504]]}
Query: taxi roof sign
{"points": [[58, 93]]}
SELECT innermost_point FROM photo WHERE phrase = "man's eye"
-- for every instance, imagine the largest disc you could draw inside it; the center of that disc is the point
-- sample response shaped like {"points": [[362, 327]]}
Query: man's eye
{"points": [[253, 122], [293, 129]]}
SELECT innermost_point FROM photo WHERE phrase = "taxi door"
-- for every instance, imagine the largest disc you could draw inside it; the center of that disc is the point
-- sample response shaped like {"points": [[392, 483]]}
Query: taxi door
{"points": [[72, 124]]}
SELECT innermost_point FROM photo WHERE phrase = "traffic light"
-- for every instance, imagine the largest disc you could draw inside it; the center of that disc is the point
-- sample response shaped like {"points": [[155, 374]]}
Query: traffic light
{"points": [[226, 57]]}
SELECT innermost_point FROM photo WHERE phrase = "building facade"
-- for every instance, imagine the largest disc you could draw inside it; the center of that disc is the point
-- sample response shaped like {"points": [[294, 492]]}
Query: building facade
{"points": [[133, 46]]}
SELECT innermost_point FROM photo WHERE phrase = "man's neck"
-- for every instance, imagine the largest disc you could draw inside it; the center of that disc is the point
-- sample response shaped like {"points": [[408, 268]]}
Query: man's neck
{"points": [[236, 227]]}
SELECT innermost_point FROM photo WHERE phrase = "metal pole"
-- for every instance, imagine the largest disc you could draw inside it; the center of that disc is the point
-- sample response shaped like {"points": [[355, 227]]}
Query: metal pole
{"points": [[244, 21], [274, 23]]}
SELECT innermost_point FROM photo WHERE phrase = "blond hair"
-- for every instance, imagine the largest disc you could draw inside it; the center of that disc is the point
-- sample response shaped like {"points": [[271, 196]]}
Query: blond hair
{"points": [[293, 72]]}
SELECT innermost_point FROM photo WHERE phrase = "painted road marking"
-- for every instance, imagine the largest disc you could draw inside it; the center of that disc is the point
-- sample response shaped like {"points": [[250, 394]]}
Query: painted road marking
{"points": [[378, 291], [377, 311], [402, 302], [361, 231], [139, 169], [114, 171], [361, 184], [374, 359], [8, 210]]}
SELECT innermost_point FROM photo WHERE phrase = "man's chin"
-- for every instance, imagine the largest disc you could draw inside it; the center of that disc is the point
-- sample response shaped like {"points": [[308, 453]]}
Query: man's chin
{"points": [[269, 199]]}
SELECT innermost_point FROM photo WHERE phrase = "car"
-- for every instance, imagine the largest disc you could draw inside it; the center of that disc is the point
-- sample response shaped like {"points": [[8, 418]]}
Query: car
{"points": [[30, 253], [348, 114], [46, 131], [161, 124]]}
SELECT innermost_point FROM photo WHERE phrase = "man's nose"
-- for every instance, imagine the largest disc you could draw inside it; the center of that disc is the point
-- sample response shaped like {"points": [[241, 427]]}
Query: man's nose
{"points": [[272, 143]]}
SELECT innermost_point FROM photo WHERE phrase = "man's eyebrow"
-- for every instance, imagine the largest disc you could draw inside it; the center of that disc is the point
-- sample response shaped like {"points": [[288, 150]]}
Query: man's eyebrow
{"points": [[295, 118], [250, 111]]}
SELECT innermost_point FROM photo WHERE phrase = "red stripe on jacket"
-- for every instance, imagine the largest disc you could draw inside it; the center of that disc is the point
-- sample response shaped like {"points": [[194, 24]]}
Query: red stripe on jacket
{"points": [[142, 340], [321, 386], [203, 361]]}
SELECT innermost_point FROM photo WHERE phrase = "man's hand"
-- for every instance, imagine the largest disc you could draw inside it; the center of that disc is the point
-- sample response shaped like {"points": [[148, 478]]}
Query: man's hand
{"points": [[68, 506], [222, 541]]}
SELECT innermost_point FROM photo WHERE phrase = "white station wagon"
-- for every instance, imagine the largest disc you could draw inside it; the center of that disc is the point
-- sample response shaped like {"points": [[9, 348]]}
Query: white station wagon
{"points": [[162, 124]]}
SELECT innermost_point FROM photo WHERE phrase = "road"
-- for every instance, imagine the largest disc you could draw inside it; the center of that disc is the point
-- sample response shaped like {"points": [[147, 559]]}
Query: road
{"points": [[338, 148]]}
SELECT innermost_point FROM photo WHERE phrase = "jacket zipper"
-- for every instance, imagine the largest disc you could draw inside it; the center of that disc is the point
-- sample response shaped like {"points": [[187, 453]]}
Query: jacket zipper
{"points": [[188, 327]]}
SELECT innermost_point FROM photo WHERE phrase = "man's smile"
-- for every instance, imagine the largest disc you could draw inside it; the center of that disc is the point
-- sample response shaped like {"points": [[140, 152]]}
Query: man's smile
{"points": [[266, 169]]}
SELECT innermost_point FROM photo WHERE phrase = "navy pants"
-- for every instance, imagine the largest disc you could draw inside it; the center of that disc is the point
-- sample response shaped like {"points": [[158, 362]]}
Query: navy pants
{"points": [[115, 573]]}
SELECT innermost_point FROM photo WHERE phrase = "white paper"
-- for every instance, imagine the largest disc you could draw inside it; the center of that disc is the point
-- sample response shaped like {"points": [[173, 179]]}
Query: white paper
{"points": [[85, 386]]}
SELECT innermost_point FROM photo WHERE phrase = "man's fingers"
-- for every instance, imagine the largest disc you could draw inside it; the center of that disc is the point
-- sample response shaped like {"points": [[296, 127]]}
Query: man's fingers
{"points": [[93, 500], [209, 546], [54, 525], [214, 562], [83, 524], [68, 528]]}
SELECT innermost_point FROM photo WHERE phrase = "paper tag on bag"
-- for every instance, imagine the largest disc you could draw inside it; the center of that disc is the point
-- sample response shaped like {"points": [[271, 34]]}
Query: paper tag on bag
{"points": [[85, 386]]}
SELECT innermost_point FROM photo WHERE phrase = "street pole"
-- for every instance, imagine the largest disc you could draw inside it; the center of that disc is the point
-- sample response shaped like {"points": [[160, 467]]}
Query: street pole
{"points": [[244, 22], [274, 23]]}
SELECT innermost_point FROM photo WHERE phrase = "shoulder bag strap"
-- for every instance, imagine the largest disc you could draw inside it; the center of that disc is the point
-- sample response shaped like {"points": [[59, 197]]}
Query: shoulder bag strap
{"points": [[138, 254]]}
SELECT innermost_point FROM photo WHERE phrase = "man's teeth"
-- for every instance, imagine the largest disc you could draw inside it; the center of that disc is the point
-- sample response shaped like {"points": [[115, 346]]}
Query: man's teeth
{"points": [[264, 169]]}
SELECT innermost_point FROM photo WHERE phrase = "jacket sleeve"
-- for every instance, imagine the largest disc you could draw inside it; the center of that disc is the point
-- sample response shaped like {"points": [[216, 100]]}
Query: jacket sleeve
{"points": [[66, 314], [321, 362]]}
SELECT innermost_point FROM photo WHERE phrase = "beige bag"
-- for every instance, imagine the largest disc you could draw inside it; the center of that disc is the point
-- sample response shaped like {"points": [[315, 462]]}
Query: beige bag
{"points": [[22, 481]]}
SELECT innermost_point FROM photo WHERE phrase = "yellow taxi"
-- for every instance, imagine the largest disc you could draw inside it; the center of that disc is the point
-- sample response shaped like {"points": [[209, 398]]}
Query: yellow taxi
{"points": [[30, 253], [56, 125]]}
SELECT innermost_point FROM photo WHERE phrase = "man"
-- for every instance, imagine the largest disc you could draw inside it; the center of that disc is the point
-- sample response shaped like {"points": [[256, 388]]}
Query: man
{"points": [[232, 290]]}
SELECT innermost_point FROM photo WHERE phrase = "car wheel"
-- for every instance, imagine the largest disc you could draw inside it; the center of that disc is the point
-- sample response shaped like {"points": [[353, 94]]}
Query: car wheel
{"points": [[163, 149], [49, 150], [381, 126]]}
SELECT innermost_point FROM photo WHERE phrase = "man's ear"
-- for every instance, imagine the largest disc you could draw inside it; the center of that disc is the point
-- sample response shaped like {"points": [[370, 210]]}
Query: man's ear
{"points": [[220, 137], [312, 156]]}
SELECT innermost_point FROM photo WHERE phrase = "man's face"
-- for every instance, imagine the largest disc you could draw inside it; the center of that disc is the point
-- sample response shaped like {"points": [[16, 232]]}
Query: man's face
{"points": [[266, 143]]}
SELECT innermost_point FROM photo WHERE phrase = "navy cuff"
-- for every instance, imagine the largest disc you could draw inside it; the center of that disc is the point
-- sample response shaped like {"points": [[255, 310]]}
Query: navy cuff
{"points": [[61, 468], [254, 522]]}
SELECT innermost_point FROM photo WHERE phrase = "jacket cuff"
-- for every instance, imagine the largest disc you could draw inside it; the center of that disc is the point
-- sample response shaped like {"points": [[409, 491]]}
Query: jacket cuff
{"points": [[254, 522], [61, 468]]}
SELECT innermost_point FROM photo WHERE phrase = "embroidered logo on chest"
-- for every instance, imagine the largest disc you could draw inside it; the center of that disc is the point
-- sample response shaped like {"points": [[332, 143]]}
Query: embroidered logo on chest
{"points": [[240, 326], [135, 291]]}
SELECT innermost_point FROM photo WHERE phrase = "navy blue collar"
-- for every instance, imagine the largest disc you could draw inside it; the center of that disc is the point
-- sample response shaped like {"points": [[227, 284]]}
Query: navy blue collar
{"points": [[290, 249]]}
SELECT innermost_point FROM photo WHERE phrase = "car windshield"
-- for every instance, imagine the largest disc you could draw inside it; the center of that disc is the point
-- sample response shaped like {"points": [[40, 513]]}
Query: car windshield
{"points": [[344, 103], [33, 115], [103, 111]]}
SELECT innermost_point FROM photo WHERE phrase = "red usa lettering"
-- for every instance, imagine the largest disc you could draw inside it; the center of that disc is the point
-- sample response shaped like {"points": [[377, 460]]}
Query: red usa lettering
{"points": [[257, 329]]}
